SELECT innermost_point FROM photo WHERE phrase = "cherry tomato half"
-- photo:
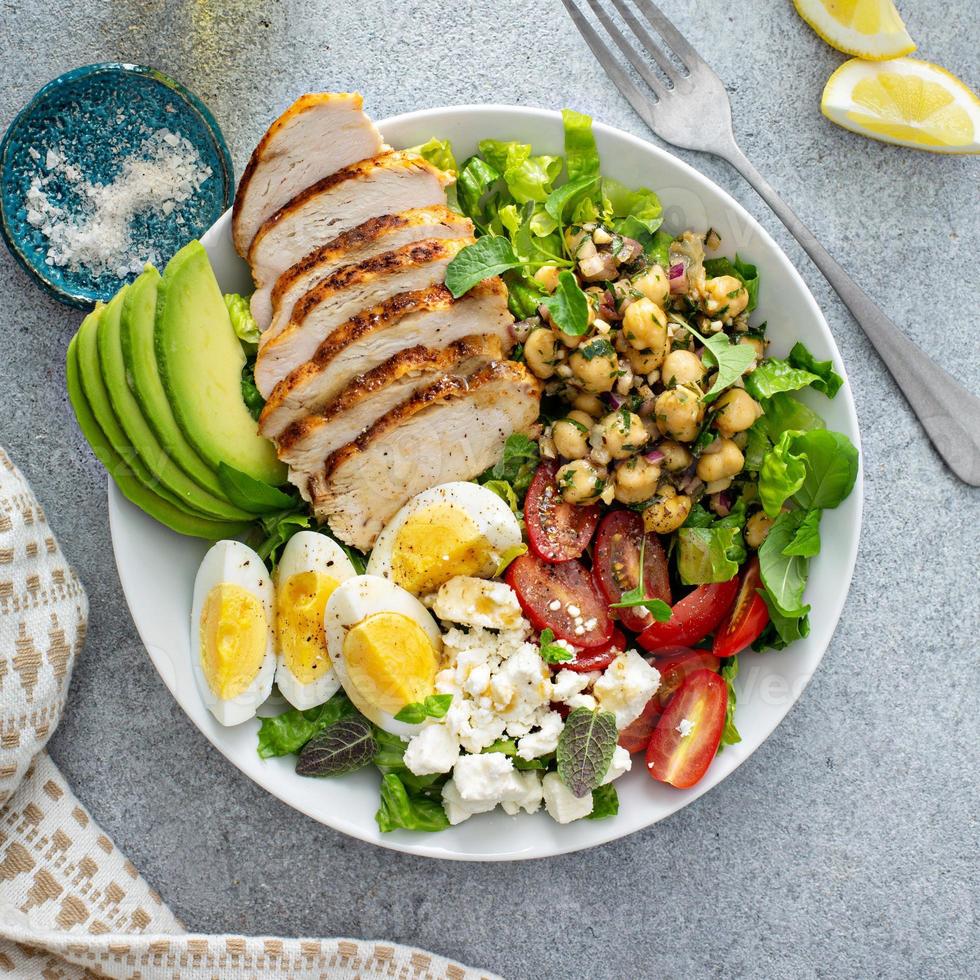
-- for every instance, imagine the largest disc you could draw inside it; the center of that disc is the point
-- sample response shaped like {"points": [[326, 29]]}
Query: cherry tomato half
{"points": [[561, 598], [598, 658], [616, 565], [556, 531], [693, 618], [674, 664], [747, 618], [687, 736]]}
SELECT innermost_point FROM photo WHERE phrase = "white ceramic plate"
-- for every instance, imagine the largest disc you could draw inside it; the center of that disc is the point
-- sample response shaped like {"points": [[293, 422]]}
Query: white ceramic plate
{"points": [[157, 567]]}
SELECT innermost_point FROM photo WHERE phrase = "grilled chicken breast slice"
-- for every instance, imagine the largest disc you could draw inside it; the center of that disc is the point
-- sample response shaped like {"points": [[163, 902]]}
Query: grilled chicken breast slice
{"points": [[273, 305], [373, 336], [317, 135], [347, 292], [306, 443], [452, 430], [384, 184]]}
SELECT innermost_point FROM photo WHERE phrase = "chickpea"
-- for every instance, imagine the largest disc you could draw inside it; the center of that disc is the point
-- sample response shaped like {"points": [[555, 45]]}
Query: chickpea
{"points": [[676, 456], [725, 297], [643, 361], [571, 435], [653, 284], [679, 412], [667, 512], [682, 367], [636, 480], [645, 325], [596, 366], [758, 345], [589, 405], [757, 529], [623, 433], [580, 482], [541, 352], [725, 461], [547, 278], [737, 410]]}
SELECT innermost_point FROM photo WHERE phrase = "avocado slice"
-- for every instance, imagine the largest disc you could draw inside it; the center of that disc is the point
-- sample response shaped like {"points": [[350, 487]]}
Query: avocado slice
{"points": [[201, 362], [136, 330], [137, 429], [149, 501]]}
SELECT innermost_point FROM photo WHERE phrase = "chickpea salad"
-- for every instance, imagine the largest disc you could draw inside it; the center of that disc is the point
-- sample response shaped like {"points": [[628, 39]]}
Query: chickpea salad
{"points": [[520, 640]]}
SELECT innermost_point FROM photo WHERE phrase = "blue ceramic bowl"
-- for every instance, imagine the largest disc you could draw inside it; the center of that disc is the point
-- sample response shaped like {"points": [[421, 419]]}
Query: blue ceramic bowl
{"points": [[96, 117]]}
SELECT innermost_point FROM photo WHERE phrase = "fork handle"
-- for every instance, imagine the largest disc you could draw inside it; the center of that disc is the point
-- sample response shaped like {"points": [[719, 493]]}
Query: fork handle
{"points": [[948, 412]]}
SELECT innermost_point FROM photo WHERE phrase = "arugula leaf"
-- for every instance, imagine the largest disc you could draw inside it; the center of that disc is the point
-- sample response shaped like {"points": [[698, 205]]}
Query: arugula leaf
{"points": [[747, 273], [831, 468], [434, 706], [286, 733], [244, 324], [828, 380], [251, 395], [731, 361], [632, 598], [605, 802], [730, 735], [784, 576], [439, 153], [567, 305], [345, 746], [782, 630], [774, 375], [517, 465], [707, 554], [581, 154], [806, 541], [585, 749], [401, 810], [782, 473], [252, 495], [552, 652], [488, 256], [560, 198]]}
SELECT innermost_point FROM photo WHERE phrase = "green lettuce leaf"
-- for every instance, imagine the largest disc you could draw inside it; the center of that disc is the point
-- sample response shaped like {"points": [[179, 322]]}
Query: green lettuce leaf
{"points": [[784, 576], [782, 473], [245, 326], [730, 360], [784, 412], [806, 541], [439, 153], [251, 395], [831, 468], [773, 375], [474, 185], [708, 554], [287, 733], [402, 810], [517, 464], [253, 495], [744, 271], [730, 735], [641, 204], [605, 802], [829, 381], [581, 154]]}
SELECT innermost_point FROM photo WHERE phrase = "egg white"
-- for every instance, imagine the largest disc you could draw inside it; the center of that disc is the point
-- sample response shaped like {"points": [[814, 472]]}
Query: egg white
{"points": [[351, 603], [233, 563], [309, 551], [489, 513]]}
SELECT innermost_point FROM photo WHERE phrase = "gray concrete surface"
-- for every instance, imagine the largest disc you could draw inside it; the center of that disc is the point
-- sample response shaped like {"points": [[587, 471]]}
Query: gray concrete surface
{"points": [[847, 846]]}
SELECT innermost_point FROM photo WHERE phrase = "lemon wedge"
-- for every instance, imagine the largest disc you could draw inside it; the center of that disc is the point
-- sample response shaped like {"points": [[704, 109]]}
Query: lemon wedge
{"points": [[870, 29], [906, 101]]}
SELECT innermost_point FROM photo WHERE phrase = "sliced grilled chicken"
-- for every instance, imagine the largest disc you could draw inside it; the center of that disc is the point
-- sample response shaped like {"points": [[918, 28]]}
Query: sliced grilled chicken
{"points": [[347, 292], [452, 430], [316, 136], [373, 336], [307, 442], [273, 305], [385, 184]]}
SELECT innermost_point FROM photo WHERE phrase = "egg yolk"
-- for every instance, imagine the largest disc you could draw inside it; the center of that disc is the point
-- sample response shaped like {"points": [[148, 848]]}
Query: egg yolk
{"points": [[390, 661], [234, 635], [300, 602], [434, 545]]}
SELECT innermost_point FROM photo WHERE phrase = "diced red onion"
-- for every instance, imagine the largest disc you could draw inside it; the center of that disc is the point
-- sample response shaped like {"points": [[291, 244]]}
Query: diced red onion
{"points": [[676, 270], [615, 400], [678, 279], [654, 456], [722, 504]]}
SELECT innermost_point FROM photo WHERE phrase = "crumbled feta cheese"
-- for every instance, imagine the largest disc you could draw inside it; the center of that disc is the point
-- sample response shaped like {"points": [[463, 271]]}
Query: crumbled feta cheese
{"points": [[543, 741], [626, 686], [685, 727], [433, 750], [478, 602], [531, 795], [559, 801], [457, 809], [522, 684], [567, 683], [489, 776], [582, 701], [478, 680], [621, 762]]}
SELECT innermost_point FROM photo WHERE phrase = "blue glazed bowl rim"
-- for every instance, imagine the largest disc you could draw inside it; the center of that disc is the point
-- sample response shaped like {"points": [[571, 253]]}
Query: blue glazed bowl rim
{"points": [[61, 294]]}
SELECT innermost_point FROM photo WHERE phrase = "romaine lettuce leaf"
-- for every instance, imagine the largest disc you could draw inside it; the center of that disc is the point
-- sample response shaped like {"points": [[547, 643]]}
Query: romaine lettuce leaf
{"points": [[708, 554]]}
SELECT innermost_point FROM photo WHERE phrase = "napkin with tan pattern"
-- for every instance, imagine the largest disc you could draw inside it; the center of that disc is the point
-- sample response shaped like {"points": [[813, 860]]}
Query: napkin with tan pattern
{"points": [[71, 905]]}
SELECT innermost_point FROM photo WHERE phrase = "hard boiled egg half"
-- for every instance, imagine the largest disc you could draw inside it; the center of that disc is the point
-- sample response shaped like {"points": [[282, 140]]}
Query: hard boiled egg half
{"points": [[311, 567], [449, 530], [385, 646], [231, 632]]}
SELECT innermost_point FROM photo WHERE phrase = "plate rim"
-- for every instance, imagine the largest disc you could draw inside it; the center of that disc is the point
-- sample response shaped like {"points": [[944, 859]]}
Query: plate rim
{"points": [[606, 831]]}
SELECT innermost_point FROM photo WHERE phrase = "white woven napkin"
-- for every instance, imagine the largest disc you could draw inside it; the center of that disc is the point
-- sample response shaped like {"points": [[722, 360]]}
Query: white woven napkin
{"points": [[71, 905]]}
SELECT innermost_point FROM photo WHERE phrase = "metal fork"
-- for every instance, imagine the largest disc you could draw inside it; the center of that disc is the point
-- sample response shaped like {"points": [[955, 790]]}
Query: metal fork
{"points": [[692, 110]]}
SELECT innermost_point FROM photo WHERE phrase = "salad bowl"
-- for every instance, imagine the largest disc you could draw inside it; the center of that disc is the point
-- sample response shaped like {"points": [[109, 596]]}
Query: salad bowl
{"points": [[160, 595]]}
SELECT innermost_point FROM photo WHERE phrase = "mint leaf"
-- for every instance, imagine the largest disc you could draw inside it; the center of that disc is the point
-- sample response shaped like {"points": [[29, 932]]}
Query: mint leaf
{"points": [[345, 746], [828, 380], [487, 257], [551, 652], [632, 598], [605, 802], [731, 361], [517, 465], [585, 749], [567, 305], [434, 706]]}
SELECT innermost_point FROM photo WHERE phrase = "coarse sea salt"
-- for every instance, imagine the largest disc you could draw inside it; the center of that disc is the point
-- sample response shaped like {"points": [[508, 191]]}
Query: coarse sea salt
{"points": [[97, 233]]}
